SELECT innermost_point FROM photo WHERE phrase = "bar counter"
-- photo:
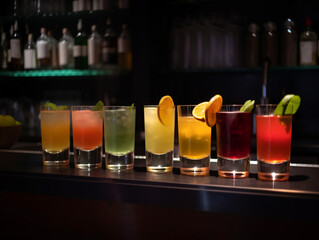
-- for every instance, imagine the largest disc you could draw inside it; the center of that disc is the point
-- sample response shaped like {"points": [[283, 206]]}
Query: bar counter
{"points": [[136, 204]]}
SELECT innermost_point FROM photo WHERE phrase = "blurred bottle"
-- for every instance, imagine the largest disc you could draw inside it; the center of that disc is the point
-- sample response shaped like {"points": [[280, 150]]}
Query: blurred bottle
{"points": [[252, 46], [43, 56], [94, 49], [80, 48], [4, 51], [270, 43], [66, 44], [30, 61], [289, 43], [308, 45], [109, 46], [53, 51], [9, 48], [124, 50], [15, 46]]}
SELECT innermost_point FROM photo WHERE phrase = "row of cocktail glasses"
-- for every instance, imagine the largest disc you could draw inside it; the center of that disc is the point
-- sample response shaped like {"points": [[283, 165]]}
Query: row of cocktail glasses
{"points": [[233, 137]]}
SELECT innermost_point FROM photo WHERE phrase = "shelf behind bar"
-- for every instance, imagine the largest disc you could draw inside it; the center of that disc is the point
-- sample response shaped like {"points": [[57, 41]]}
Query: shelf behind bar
{"points": [[62, 73]]}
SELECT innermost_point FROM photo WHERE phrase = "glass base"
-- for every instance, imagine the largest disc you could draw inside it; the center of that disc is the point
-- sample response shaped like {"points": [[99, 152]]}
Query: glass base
{"points": [[56, 158], [233, 168], [84, 159], [191, 167], [119, 163], [273, 171], [159, 163]]}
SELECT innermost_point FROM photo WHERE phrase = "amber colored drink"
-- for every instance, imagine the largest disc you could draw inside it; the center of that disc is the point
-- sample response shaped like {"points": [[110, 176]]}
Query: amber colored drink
{"points": [[194, 143], [274, 138]]}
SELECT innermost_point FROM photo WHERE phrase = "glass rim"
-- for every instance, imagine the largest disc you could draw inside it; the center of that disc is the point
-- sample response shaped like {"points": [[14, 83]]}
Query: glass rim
{"points": [[42, 107], [154, 106], [82, 106], [187, 105], [118, 107], [266, 105]]}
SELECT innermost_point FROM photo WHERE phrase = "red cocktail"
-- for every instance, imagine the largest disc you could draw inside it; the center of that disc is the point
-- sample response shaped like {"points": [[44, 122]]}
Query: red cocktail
{"points": [[233, 130], [273, 143]]}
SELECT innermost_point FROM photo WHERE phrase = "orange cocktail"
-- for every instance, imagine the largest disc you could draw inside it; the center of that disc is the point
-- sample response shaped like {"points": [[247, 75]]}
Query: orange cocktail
{"points": [[55, 134]]}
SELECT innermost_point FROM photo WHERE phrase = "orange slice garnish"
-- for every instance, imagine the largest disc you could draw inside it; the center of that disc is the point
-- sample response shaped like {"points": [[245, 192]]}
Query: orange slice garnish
{"points": [[214, 105], [199, 111], [164, 110]]}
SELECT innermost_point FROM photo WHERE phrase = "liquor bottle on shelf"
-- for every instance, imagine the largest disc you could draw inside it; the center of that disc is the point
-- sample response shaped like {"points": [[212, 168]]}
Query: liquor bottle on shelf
{"points": [[15, 46], [308, 45], [43, 57], [66, 44], [9, 48], [109, 46], [80, 48], [289, 44], [4, 51], [94, 49], [30, 61], [53, 51], [252, 46], [270, 43], [124, 50]]}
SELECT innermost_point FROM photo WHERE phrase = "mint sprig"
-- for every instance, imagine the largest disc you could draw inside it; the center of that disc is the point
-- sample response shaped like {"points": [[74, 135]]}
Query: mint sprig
{"points": [[98, 106]]}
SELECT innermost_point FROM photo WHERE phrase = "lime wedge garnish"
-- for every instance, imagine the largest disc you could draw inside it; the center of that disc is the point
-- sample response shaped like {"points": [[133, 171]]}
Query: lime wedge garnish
{"points": [[293, 105], [98, 106], [248, 106], [132, 106], [52, 106], [289, 104]]}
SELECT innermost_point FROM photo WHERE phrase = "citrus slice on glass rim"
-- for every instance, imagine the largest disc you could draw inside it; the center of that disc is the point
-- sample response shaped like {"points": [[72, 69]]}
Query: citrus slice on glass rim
{"points": [[214, 105], [199, 111], [164, 112]]}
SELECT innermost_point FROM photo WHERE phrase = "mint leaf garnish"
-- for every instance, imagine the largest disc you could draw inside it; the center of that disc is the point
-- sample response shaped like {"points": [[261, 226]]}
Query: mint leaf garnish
{"points": [[289, 104], [98, 106]]}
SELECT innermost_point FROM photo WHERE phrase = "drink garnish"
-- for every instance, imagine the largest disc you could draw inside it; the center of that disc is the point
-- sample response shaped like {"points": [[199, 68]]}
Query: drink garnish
{"points": [[52, 106], [132, 106], [199, 111], [288, 105], [248, 106], [98, 106], [214, 105], [206, 111], [164, 109]]}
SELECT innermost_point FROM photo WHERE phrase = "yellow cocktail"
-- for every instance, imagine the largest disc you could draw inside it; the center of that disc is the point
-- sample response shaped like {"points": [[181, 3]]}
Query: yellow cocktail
{"points": [[159, 138], [55, 134]]}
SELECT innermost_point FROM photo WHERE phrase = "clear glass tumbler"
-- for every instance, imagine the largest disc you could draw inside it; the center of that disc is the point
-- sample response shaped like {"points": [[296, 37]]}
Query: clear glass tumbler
{"points": [[87, 126], [159, 140], [194, 143], [273, 143], [55, 135], [233, 136], [119, 136]]}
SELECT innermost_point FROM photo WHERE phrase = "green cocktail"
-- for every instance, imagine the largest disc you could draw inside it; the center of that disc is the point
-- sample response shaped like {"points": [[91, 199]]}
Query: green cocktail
{"points": [[119, 136]]}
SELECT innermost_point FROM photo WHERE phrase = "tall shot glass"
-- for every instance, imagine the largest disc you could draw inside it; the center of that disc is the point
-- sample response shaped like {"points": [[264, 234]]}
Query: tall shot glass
{"points": [[273, 143], [87, 126], [55, 135], [194, 143], [233, 136], [119, 137], [159, 140]]}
